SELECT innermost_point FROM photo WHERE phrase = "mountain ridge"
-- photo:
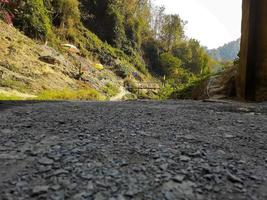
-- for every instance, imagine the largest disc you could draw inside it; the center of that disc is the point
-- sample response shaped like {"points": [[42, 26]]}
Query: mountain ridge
{"points": [[226, 52]]}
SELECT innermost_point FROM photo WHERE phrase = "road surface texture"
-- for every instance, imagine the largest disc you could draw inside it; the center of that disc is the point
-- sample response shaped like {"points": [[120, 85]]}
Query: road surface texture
{"points": [[174, 150]]}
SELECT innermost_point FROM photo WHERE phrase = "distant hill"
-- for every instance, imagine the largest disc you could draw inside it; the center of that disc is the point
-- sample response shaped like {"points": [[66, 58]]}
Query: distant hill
{"points": [[227, 52]]}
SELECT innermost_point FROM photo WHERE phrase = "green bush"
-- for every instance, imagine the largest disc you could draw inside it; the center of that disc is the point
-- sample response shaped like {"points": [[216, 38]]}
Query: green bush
{"points": [[131, 85], [169, 64], [165, 92], [33, 19], [66, 17], [111, 90]]}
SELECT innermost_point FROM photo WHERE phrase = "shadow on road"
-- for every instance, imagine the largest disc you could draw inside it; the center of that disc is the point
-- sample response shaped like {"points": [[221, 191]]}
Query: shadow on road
{"points": [[8, 104]]}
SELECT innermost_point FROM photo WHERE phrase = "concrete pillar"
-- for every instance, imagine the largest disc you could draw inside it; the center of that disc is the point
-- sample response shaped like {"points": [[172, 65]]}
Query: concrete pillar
{"points": [[252, 80]]}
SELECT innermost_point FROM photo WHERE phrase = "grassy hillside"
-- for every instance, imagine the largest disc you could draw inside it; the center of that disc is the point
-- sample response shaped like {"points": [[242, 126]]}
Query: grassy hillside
{"points": [[30, 68], [119, 45]]}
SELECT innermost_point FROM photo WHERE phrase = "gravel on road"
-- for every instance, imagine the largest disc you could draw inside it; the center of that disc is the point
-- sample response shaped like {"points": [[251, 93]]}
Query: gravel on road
{"points": [[173, 150]]}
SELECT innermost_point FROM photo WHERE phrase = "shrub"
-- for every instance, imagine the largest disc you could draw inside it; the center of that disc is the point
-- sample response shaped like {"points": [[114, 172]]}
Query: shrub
{"points": [[110, 89], [131, 85], [32, 18], [169, 63], [165, 92], [66, 17]]}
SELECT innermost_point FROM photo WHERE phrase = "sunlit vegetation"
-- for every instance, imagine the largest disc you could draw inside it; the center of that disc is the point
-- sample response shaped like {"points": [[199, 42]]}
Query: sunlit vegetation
{"points": [[126, 35], [4, 97], [68, 94], [111, 90]]}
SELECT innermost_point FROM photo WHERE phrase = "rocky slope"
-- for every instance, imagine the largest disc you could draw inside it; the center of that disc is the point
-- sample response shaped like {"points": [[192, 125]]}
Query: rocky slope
{"points": [[28, 67]]}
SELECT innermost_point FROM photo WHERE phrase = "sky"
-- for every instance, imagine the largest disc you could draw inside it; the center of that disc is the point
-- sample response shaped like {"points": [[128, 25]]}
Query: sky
{"points": [[212, 22]]}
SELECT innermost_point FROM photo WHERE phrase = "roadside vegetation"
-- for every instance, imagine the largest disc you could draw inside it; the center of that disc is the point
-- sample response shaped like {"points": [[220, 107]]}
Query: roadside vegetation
{"points": [[136, 40], [5, 97], [67, 94], [111, 90]]}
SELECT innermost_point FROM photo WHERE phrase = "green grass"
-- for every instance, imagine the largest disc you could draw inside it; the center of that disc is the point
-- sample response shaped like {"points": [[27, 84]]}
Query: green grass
{"points": [[185, 91], [14, 84], [67, 94], [111, 90], [4, 97]]}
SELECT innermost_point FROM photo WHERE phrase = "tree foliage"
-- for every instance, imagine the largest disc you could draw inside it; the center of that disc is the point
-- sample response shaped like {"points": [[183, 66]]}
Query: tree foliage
{"points": [[5, 11], [33, 19], [121, 23], [142, 32], [172, 31]]}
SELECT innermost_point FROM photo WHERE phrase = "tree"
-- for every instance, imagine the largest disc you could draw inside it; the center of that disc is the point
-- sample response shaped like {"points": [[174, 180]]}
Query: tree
{"points": [[67, 12], [136, 21], [33, 19], [6, 10], [152, 49], [169, 64], [107, 20], [121, 23], [172, 31], [183, 52], [65, 16], [200, 59], [156, 22]]}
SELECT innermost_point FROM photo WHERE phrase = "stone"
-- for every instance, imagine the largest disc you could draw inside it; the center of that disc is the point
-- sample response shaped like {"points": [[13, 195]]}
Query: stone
{"points": [[90, 185], [178, 178], [173, 190], [228, 136], [45, 161], [195, 154], [82, 196], [6, 156], [185, 158], [206, 169], [49, 59], [99, 196], [21, 184], [59, 195], [55, 157], [37, 190], [86, 176], [55, 187], [233, 178], [43, 169], [164, 167], [221, 152], [60, 172], [6, 131], [72, 186], [131, 192]]}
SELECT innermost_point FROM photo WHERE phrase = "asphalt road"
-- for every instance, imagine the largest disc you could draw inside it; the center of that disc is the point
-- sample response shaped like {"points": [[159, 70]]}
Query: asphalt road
{"points": [[172, 150]]}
